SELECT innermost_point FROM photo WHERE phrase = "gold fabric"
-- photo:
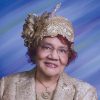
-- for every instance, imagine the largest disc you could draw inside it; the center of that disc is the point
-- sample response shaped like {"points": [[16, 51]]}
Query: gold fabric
{"points": [[21, 86]]}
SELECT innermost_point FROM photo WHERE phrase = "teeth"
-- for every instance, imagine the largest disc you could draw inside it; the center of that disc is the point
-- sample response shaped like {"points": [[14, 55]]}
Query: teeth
{"points": [[51, 65]]}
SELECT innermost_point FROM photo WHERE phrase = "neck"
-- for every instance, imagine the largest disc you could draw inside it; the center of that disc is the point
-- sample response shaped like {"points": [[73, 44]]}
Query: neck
{"points": [[45, 78]]}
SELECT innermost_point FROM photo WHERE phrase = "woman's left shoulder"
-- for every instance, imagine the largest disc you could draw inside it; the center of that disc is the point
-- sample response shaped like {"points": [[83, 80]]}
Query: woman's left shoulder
{"points": [[78, 83], [82, 88]]}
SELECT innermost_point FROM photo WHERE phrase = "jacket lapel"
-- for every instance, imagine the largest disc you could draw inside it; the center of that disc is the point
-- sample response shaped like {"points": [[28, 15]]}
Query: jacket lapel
{"points": [[65, 89], [26, 87]]}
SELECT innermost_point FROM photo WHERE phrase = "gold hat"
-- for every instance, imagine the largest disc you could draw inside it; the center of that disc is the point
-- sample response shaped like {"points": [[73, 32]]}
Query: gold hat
{"points": [[48, 24]]}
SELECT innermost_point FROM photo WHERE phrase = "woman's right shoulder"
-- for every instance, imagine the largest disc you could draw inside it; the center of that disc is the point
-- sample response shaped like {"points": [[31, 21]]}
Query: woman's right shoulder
{"points": [[14, 76], [12, 79]]}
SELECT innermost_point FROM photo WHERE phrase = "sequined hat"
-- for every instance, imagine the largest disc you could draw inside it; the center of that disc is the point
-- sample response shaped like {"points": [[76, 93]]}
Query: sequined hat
{"points": [[36, 27]]}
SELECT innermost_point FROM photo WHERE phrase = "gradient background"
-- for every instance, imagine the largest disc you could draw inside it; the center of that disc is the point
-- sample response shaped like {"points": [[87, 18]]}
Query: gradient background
{"points": [[85, 16]]}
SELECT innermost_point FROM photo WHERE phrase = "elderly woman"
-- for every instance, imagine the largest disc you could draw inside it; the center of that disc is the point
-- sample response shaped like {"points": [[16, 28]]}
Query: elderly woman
{"points": [[49, 40]]}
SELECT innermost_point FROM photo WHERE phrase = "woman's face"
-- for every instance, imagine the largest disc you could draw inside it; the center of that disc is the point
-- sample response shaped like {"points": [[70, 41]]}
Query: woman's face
{"points": [[52, 56]]}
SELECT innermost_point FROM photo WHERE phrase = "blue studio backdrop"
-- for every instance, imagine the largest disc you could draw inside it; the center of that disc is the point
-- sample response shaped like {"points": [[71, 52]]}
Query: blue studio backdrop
{"points": [[85, 16]]}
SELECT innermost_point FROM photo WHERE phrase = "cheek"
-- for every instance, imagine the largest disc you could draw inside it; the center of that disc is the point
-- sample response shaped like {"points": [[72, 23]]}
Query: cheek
{"points": [[41, 55], [64, 60]]}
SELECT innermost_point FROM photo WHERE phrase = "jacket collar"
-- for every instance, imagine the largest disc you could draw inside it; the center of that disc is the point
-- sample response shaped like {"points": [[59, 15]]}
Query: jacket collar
{"points": [[65, 89], [26, 88]]}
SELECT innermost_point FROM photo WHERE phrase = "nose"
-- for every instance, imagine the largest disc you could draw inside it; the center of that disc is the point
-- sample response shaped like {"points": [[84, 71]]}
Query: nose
{"points": [[54, 55]]}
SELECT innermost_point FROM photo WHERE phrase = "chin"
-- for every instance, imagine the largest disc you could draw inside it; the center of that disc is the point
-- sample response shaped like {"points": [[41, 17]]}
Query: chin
{"points": [[51, 73]]}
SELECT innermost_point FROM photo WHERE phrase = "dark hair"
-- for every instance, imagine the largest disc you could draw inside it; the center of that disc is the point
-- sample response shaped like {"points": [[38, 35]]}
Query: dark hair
{"points": [[71, 56]]}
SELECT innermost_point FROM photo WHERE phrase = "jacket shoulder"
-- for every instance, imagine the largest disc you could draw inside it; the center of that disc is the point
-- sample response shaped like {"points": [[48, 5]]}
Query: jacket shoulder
{"points": [[79, 84], [18, 75], [82, 89], [10, 81]]}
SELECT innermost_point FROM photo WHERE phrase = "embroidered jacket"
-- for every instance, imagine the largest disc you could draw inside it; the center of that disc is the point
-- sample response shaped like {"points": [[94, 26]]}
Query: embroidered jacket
{"points": [[21, 86]]}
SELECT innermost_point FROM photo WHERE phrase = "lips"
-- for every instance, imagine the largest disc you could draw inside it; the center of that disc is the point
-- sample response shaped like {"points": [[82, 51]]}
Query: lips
{"points": [[50, 64]]}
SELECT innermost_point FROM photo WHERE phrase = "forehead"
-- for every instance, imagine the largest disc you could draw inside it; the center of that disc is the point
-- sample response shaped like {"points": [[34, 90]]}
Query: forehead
{"points": [[54, 41]]}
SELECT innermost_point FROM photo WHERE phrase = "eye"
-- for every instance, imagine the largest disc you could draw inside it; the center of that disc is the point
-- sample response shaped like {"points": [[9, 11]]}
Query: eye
{"points": [[62, 50], [45, 47]]}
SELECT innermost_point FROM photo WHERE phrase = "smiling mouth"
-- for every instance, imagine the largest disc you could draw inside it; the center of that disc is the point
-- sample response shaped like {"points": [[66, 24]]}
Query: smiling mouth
{"points": [[50, 65]]}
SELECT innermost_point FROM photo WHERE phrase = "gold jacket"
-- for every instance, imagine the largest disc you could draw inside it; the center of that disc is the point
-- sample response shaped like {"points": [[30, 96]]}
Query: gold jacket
{"points": [[21, 86]]}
